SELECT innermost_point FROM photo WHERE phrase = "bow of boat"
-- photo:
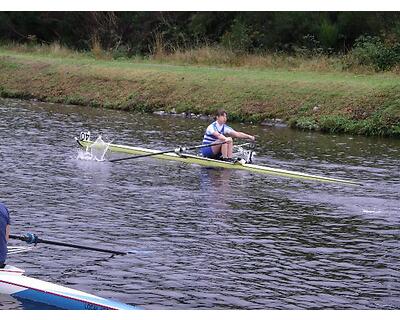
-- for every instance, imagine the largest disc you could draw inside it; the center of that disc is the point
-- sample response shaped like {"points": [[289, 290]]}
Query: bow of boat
{"points": [[13, 282]]}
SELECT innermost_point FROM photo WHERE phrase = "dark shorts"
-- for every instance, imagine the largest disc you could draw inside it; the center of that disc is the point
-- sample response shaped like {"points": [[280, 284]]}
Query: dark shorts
{"points": [[2, 265], [208, 153]]}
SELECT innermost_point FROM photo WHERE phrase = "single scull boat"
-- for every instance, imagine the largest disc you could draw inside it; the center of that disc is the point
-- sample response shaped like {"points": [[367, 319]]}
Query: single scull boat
{"points": [[85, 142]]}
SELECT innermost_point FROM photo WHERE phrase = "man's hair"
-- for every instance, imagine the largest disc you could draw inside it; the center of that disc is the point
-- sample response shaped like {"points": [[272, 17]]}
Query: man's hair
{"points": [[220, 112]]}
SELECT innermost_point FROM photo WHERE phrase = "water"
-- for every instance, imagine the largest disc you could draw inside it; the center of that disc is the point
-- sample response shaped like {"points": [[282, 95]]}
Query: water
{"points": [[203, 238]]}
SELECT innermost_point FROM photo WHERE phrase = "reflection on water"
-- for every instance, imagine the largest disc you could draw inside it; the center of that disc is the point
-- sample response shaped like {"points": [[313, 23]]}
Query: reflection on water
{"points": [[203, 238], [214, 188]]}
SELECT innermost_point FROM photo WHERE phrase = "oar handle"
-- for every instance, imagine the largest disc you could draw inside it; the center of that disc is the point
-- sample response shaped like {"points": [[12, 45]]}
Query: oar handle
{"points": [[31, 238]]}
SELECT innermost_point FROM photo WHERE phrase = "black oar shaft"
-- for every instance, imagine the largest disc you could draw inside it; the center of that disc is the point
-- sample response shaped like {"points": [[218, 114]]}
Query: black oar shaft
{"points": [[77, 246], [142, 155], [168, 151], [35, 239]]}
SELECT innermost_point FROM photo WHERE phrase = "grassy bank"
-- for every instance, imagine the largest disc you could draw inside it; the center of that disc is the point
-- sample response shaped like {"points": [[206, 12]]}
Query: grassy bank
{"points": [[333, 101]]}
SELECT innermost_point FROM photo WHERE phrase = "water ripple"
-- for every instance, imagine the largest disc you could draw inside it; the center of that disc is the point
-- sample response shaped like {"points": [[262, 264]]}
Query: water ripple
{"points": [[202, 238]]}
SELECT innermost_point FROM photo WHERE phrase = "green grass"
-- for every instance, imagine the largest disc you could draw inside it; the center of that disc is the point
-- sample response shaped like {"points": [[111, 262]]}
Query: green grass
{"points": [[333, 101]]}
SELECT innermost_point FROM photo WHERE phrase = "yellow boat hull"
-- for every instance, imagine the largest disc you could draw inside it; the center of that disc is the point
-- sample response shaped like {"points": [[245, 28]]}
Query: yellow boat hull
{"points": [[188, 158]]}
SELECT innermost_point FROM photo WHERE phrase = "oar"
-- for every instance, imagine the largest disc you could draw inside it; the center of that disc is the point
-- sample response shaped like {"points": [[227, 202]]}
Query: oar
{"points": [[34, 239], [251, 145], [176, 150]]}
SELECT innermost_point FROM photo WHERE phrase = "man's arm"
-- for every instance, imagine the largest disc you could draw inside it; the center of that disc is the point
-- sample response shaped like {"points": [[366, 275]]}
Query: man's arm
{"points": [[220, 136], [241, 135]]}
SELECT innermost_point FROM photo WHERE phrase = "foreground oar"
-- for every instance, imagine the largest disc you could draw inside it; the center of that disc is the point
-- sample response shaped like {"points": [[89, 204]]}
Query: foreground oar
{"points": [[176, 150], [34, 239]]}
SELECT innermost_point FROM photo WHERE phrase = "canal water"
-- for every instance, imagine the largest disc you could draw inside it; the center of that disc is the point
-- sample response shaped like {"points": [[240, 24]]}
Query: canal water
{"points": [[202, 238]]}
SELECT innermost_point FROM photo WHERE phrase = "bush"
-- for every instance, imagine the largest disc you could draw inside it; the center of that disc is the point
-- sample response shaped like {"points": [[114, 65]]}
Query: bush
{"points": [[374, 126], [305, 123], [310, 47], [238, 39], [121, 52], [371, 51], [328, 35], [335, 124]]}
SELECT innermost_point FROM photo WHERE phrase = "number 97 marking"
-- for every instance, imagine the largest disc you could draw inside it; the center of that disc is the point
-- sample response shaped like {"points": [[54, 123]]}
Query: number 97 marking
{"points": [[84, 136]]}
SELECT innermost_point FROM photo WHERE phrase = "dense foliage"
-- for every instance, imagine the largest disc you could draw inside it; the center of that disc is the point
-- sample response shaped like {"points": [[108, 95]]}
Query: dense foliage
{"points": [[373, 38]]}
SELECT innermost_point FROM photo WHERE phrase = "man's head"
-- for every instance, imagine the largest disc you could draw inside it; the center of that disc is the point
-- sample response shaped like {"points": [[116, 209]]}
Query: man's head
{"points": [[221, 116]]}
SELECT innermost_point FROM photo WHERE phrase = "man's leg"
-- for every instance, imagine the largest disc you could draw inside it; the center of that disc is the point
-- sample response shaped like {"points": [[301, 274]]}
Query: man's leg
{"points": [[225, 149], [229, 147], [218, 149]]}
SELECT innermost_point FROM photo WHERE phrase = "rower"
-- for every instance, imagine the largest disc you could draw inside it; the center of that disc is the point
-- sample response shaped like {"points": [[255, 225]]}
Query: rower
{"points": [[218, 132], [4, 233]]}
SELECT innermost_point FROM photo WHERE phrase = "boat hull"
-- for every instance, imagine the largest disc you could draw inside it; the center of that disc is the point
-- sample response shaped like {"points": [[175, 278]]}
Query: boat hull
{"points": [[188, 158], [15, 284]]}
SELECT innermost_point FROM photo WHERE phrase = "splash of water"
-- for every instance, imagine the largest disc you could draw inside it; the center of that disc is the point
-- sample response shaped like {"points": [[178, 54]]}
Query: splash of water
{"points": [[96, 151]]}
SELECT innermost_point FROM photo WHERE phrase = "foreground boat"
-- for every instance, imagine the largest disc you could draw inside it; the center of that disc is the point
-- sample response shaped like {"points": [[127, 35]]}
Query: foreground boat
{"points": [[85, 142], [15, 284]]}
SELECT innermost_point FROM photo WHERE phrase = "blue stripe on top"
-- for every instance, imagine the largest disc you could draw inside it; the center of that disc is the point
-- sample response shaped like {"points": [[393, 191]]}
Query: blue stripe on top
{"points": [[209, 137], [65, 302]]}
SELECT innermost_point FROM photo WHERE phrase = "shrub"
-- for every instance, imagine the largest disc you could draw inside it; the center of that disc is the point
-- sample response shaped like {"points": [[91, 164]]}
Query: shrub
{"points": [[371, 51], [333, 123], [121, 52], [310, 47], [306, 123], [238, 39], [97, 51], [328, 34]]}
